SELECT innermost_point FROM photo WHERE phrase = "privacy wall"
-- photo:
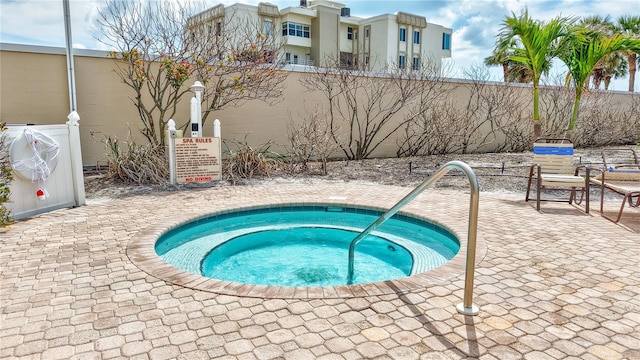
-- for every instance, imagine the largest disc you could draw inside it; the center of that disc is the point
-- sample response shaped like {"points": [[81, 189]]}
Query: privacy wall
{"points": [[33, 90]]}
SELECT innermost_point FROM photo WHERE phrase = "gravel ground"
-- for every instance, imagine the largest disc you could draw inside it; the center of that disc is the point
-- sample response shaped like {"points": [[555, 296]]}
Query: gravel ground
{"points": [[497, 173]]}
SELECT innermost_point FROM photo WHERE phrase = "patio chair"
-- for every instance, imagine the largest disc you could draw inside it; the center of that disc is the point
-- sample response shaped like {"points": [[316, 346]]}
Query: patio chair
{"points": [[553, 167], [620, 174]]}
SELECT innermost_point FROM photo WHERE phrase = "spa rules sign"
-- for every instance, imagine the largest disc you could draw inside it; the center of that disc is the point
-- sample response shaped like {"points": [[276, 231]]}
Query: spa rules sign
{"points": [[198, 159]]}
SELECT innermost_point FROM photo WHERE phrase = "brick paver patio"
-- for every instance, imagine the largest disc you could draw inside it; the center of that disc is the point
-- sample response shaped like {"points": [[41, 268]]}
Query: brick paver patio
{"points": [[553, 285]]}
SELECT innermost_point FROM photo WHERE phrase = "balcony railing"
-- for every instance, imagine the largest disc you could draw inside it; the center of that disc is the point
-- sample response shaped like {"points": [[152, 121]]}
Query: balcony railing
{"points": [[300, 62]]}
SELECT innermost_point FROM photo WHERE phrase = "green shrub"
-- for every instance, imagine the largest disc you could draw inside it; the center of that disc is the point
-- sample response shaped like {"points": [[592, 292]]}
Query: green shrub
{"points": [[5, 176]]}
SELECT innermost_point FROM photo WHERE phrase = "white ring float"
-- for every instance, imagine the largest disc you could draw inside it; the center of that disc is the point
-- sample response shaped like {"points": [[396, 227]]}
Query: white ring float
{"points": [[34, 156]]}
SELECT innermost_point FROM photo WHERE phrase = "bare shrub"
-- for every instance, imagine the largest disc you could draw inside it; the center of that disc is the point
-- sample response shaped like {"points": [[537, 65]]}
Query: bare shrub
{"points": [[485, 107], [631, 119], [556, 106], [5, 176], [371, 107], [245, 161], [433, 133], [513, 123], [480, 116], [517, 130], [604, 121], [131, 162], [310, 139]]}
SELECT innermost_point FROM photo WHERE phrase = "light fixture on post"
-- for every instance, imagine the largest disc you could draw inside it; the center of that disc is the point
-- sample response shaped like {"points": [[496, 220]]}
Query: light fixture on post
{"points": [[197, 88]]}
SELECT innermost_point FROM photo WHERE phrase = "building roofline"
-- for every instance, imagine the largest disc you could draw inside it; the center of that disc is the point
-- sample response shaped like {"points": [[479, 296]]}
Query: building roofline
{"points": [[53, 50], [298, 10]]}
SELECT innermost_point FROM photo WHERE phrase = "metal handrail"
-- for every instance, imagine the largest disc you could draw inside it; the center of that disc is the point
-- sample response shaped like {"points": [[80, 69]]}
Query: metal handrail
{"points": [[466, 307]]}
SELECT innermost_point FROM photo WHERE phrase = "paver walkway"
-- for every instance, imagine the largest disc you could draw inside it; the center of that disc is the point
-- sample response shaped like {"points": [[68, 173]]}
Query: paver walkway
{"points": [[553, 285]]}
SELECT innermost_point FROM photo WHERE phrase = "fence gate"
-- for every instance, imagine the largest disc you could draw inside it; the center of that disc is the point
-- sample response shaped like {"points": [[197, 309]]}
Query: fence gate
{"points": [[47, 168]]}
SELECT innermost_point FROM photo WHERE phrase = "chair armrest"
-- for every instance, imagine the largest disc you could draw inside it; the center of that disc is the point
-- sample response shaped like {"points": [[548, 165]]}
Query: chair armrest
{"points": [[608, 153], [586, 169], [627, 166], [596, 171]]}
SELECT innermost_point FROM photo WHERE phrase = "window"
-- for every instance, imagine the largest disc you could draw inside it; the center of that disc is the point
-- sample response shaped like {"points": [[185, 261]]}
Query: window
{"points": [[416, 63], [401, 61], [416, 36], [287, 58], [349, 33], [366, 33], [267, 27], [218, 28], [295, 29], [446, 41], [403, 34], [347, 60]]}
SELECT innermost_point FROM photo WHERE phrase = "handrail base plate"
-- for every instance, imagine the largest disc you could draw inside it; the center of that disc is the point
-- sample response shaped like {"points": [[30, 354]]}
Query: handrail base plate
{"points": [[473, 310]]}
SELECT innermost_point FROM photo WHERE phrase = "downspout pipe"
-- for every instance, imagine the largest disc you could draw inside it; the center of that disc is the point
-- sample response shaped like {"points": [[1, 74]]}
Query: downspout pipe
{"points": [[70, 68]]}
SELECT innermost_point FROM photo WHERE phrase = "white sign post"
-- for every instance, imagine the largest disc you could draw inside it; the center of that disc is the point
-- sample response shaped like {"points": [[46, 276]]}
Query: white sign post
{"points": [[196, 158], [196, 109], [171, 124]]}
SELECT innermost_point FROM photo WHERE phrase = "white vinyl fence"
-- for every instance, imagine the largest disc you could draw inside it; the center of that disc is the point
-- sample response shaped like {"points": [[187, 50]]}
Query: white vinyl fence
{"points": [[47, 168]]}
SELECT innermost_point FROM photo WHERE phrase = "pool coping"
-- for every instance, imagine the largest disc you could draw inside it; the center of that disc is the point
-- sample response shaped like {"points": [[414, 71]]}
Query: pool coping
{"points": [[141, 251]]}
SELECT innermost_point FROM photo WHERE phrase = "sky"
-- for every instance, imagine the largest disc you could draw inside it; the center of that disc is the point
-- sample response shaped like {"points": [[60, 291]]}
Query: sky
{"points": [[475, 23]]}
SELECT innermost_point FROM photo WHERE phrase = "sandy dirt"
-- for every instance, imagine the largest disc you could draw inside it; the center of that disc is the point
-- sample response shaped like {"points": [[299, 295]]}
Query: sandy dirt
{"points": [[496, 172]]}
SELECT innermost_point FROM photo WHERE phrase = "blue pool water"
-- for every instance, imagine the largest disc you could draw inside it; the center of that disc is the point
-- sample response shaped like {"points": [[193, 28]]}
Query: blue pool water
{"points": [[305, 246]]}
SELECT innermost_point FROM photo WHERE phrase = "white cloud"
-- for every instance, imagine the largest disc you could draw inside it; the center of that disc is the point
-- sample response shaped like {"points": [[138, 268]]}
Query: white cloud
{"points": [[32, 22], [475, 22]]}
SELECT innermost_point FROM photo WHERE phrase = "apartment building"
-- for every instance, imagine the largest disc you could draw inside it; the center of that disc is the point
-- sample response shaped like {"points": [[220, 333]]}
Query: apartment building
{"points": [[319, 30]]}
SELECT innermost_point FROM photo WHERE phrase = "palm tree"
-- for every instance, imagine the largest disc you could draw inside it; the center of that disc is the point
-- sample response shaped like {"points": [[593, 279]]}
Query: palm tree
{"points": [[499, 58], [604, 26], [613, 66], [520, 74], [511, 71], [585, 49], [630, 25], [538, 43]]}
